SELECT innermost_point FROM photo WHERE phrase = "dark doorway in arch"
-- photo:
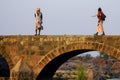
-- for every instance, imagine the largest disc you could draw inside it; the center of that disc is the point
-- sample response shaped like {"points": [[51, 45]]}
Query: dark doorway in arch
{"points": [[49, 70], [4, 68]]}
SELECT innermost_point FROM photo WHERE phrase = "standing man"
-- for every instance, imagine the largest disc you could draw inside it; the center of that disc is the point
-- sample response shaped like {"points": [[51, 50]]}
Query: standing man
{"points": [[38, 22], [101, 17]]}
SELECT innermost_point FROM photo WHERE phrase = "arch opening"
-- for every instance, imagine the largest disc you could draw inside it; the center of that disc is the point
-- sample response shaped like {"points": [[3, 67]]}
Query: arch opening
{"points": [[60, 55], [49, 70], [4, 68]]}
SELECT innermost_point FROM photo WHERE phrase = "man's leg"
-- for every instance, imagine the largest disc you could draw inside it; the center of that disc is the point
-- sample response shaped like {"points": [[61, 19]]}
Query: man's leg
{"points": [[39, 31], [96, 33], [103, 33], [35, 31]]}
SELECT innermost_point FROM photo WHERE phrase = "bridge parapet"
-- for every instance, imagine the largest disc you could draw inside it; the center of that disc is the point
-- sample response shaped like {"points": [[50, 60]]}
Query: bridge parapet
{"points": [[57, 38]]}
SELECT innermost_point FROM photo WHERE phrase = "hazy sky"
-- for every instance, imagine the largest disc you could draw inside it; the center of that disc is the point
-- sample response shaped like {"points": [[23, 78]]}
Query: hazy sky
{"points": [[59, 16]]}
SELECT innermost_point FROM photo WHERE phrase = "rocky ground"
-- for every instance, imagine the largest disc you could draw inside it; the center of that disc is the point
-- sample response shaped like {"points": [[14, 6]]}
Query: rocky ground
{"points": [[101, 67]]}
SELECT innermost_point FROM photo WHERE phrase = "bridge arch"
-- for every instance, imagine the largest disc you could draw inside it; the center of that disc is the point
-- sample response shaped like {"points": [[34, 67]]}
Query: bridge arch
{"points": [[52, 61], [6, 59], [4, 67]]}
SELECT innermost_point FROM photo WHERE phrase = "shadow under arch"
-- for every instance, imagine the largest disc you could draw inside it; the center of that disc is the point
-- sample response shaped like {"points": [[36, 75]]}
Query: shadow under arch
{"points": [[62, 54], [4, 67]]}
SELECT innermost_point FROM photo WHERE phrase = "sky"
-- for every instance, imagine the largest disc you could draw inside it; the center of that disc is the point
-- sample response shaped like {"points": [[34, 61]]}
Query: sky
{"points": [[92, 53], [60, 17]]}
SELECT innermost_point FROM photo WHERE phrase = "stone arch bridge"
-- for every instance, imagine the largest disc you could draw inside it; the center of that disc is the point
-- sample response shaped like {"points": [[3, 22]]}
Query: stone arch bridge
{"points": [[46, 53]]}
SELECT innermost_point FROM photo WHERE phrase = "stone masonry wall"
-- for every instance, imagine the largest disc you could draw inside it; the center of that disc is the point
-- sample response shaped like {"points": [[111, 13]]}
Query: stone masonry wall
{"points": [[33, 48]]}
